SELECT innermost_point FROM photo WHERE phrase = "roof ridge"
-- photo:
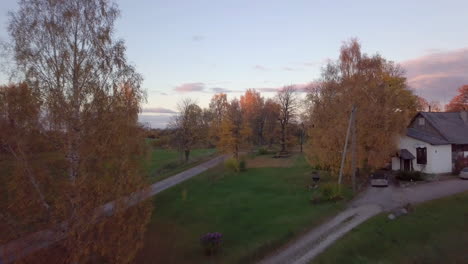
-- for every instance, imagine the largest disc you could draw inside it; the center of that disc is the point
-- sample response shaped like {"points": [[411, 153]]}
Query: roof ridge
{"points": [[434, 125]]}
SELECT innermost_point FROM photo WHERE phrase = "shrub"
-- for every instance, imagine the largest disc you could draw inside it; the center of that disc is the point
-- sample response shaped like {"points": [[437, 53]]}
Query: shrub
{"points": [[211, 242], [262, 151], [243, 165], [410, 176], [330, 191], [232, 165], [327, 192]]}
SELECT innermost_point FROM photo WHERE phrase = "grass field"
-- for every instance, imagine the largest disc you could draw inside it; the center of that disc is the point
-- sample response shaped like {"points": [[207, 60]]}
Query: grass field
{"points": [[436, 232], [165, 162], [256, 211]]}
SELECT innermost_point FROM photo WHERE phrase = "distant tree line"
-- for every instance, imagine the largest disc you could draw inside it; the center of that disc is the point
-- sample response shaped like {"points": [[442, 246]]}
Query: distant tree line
{"points": [[238, 124]]}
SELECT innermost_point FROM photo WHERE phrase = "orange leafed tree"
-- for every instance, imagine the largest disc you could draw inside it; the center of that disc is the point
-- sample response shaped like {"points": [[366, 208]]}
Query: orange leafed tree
{"points": [[378, 89], [252, 104], [460, 101], [218, 109], [235, 132]]}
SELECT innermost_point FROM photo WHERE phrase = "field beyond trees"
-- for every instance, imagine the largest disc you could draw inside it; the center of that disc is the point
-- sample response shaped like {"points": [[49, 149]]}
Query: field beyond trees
{"points": [[257, 211], [436, 232], [163, 163]]}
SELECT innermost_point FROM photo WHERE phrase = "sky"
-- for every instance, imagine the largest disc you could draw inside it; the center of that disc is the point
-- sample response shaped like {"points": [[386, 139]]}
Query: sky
{"points": [[193, 49]]}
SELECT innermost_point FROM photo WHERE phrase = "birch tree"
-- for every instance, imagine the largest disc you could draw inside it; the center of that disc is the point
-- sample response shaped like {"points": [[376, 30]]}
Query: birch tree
{"points": [[90, 97], [378, 89]]}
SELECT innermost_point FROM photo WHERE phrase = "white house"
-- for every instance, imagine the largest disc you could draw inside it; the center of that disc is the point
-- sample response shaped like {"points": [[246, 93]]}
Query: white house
{"points": [[434, 143]]}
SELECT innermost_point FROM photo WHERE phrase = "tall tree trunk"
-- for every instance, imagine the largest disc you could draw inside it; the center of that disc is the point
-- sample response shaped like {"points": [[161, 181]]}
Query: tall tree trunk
{"points": [[187, 154], [283, 138]]}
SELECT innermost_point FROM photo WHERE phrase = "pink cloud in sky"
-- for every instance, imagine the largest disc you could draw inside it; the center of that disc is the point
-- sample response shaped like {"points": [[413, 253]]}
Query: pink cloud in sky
{"points": [[190, 87], [437, 76]]}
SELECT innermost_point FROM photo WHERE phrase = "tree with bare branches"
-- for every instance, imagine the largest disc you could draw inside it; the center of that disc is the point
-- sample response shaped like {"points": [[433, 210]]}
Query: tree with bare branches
{"points": [[425, 106], [287, 101], [187, 124]]}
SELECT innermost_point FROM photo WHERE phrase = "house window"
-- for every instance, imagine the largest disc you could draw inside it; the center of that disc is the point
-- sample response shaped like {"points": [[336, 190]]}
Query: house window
{"points": [[421, 121], [421, 155]]}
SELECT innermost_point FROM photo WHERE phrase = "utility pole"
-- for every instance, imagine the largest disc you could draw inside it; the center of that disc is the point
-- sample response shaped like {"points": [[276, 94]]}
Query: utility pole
{"points": [[302, 135], [353, 150], [343, 156]]}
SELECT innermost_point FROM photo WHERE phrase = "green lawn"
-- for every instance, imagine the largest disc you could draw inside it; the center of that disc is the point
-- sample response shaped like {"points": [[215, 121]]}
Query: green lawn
{"points": [[257, 211], [165, 162], [436, 232]]}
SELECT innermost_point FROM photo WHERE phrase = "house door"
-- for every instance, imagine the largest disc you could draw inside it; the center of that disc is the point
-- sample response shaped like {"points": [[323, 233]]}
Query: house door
{"points": [[406, 165]]}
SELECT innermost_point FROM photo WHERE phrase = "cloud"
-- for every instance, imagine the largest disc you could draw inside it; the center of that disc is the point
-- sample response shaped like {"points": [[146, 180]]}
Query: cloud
{"points": [[261, 68], [157, 92], [222, 90], [158, 110], [203, 87], [190, 87], [301, 87], [268, 90], [437, 76], [197, 38]]}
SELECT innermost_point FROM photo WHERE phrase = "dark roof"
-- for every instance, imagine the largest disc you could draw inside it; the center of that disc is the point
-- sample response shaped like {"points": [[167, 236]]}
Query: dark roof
{"points": [[405, 154], [426, 137], [452, 128]]}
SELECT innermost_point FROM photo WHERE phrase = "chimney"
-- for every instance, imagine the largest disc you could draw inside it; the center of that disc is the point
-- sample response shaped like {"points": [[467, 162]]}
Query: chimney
{"points": [[464, 116]]}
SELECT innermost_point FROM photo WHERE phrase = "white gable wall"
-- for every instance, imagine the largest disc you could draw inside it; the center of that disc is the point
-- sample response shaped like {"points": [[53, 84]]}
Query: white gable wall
{"points": [[439, 157]]}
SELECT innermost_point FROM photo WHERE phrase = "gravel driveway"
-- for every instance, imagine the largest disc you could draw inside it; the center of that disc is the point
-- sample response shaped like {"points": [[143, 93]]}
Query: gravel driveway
{"points": [[367, 204]]}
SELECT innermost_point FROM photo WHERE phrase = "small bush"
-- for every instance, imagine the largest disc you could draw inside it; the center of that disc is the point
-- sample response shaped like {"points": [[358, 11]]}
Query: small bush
{"points": [[262, 151], [243, 165], [232, 165], [171, 165], [410, 176], [211, 243], [327, 192]]}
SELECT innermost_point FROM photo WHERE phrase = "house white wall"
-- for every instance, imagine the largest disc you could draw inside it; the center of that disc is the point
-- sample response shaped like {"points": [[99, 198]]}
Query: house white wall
{"points": [[439, 157]]}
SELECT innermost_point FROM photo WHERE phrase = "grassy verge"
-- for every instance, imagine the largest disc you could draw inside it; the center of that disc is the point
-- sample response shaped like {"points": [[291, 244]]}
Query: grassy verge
{"points": [[436, 232], [164, 162], [257, 211]]}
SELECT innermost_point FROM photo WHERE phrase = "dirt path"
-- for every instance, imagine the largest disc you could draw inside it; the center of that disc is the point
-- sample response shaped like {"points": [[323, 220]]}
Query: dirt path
{"points": [[16, 249], [366, 205]]}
